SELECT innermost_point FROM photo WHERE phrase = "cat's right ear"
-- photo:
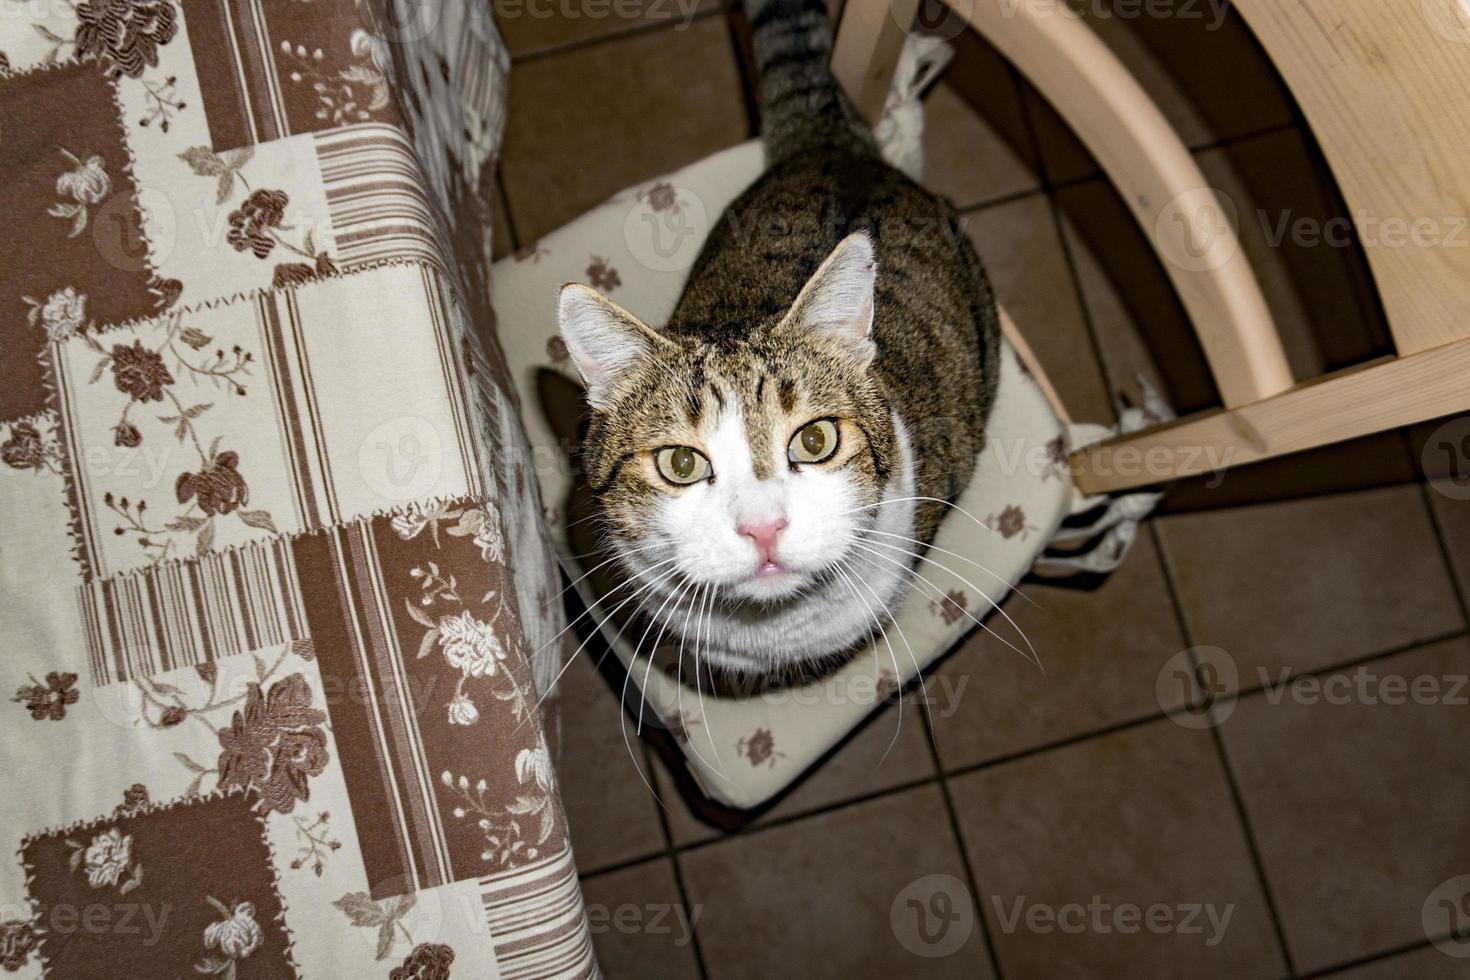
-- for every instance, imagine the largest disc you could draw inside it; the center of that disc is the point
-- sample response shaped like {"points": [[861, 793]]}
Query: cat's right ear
{"points": [[605, 340]]}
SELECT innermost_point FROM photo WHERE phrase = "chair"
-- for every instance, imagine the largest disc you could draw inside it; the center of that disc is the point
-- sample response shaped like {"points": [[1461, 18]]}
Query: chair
{"points": [[1378, 81]]}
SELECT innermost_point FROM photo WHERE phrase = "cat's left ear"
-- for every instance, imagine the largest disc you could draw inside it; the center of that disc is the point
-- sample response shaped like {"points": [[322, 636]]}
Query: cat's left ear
{"points": [[605, 340], [838, 299]]}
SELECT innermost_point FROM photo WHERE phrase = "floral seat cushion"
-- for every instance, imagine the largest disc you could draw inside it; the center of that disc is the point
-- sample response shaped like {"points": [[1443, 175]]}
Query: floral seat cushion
{"points": [[638, 247]]}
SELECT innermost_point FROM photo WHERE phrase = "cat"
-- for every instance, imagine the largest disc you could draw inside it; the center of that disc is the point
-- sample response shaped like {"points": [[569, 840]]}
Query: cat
{"points": [[769, 464]]}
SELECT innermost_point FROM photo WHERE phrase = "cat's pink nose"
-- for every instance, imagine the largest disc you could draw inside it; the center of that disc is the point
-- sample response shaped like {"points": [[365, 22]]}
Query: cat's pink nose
{"points": [[764, 534]]}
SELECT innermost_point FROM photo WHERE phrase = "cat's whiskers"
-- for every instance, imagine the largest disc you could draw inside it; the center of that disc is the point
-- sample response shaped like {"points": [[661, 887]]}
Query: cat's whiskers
{"points": [[891, 654], [643, 696], [709, 631], [935, 500], [938, 595], [955, 554], [590, 610], [923, 684], [920, 556]]}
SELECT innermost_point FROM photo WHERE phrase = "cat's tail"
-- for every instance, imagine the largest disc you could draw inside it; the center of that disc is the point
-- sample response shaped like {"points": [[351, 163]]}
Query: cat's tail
{"points": [[802, 106]]}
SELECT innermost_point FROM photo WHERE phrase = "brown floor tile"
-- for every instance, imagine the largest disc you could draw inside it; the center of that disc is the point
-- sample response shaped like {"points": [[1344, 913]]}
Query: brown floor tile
{"points": [[825, 897], [1425, 964], [1141, 818], [640, 927], [880, 756], [1102, 651], [1451, 503], [1310, 583], [584, 125], [613, 817], [1022, 252], [1211, 85], [1135, 311], [1358, 803], [964, 158], [1315, 277], [533, 26], [1380, 460]]}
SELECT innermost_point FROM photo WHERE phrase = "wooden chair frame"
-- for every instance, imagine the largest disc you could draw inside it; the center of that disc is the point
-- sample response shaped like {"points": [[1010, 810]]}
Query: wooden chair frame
{"points": [[1383, 84]]}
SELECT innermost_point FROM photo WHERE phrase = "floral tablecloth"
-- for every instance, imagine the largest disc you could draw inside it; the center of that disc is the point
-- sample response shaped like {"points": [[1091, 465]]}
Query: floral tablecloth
{"points": [[272, 572]]}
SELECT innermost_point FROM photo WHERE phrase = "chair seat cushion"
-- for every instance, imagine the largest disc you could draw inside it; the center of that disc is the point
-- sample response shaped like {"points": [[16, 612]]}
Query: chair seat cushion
{"points": [[744, 750]]}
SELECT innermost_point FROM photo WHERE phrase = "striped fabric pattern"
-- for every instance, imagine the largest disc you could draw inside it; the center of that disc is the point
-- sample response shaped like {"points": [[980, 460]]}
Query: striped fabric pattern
{"points": [[535, 914]]}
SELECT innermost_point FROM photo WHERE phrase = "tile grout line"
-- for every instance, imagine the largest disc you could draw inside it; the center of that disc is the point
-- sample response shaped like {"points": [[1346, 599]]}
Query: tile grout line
{"points": [[1425, 489], [959, 842], [1224, 756], [1170, 590], [672, 854]]}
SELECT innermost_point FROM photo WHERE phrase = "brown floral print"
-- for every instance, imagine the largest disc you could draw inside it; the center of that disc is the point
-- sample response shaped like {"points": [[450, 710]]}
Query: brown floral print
{"points": [[124, 35], [17, 939], [1010, 523], [139, 372], [661, 196], [952, 608], [428, 961], [252, 221], [108, 861], [84, 185], [25, 449], [49, 701], [313, 842], [760, 747], [601, 275], [274, 743], [218, 487], [385, 916], [355, 94], [134, 796], [162, 102], [231, 939]]}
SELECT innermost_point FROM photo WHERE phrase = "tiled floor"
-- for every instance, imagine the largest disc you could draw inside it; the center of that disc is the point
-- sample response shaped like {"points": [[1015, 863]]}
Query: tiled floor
{"points": [[1102, 820]]}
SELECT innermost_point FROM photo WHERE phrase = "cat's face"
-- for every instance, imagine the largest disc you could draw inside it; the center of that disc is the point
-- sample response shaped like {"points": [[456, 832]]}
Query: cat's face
{"points": [[740, 463]]}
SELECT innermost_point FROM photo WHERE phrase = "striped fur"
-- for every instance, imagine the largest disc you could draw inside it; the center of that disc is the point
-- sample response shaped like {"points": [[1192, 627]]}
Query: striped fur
{"points": [[736, 371]]}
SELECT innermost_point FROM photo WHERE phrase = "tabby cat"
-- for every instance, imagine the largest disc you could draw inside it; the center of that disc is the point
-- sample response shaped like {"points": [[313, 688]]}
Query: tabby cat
{"points": [[770, 462]]}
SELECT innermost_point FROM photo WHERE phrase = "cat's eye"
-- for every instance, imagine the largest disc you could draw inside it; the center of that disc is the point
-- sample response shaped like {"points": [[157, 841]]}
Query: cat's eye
{"points": [[814, 442], [682, 465]]}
